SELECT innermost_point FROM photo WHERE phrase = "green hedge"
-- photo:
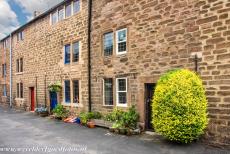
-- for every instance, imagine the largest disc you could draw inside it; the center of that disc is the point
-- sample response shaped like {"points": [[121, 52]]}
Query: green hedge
{"points": [[180, 106]]}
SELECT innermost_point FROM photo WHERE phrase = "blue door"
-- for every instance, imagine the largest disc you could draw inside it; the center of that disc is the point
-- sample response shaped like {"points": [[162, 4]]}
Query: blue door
{"points": [[53, 100]]}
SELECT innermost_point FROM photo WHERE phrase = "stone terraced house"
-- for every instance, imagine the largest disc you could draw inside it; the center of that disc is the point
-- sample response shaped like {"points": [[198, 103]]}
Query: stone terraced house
{"points": [[110, 53]]}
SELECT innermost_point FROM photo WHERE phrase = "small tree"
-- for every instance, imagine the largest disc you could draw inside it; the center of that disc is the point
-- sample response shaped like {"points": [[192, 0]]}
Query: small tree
{"points": [[180, 106]]}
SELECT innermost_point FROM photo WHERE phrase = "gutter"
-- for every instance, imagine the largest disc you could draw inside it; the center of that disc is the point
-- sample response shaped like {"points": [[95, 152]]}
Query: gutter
{"points": [[89, 54], [11, 98]]}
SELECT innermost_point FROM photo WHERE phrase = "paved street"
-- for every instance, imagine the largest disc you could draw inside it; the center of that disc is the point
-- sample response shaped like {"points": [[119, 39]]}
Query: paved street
{"points": [[25, 130]]}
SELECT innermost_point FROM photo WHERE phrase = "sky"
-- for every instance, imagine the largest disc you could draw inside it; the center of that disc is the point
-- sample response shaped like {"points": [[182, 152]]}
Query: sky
{"points": [[15, 13]]}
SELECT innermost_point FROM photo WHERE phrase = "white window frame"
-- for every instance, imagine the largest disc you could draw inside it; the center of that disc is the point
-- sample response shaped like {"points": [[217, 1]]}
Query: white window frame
{"points": [[117, 42], [104, 93], [71, 94], [51, 15], [19, 65], [79, 53], [79, 7], [117, 92]]}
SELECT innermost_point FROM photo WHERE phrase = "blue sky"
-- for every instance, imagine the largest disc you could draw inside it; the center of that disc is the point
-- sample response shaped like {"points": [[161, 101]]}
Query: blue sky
{"points": [[14, 13]]}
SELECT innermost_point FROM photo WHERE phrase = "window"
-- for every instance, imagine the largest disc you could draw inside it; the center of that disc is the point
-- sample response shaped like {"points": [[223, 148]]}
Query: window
{"points": [[4, 90], [20, 36], [19, 90], [108, 91], [76, 52], [108, 44], [121, 41], [121, 92], [76, 92], [67, 91], [19, 65], [67, 54], [60, 14], [68, 10], [54, 17], [3, 70], [76, 6]]}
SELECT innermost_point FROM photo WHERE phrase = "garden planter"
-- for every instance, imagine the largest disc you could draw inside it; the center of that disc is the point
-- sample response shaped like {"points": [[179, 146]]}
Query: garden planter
{"points": [[122, 131], [112, 129], [102, 123], [43, 114]]}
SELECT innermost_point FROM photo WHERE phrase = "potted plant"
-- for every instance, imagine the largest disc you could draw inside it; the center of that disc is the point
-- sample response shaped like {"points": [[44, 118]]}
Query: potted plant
{"points": [[55, 87], [60, 112]]}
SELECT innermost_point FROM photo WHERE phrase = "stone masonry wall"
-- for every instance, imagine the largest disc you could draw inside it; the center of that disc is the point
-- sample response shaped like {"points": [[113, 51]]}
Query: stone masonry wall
{"points": [[5, 58], [42, 51], [164, 35]]}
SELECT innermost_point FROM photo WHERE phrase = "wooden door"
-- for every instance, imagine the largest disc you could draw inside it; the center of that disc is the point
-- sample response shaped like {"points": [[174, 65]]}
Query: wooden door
{"points": [[32, 101]]}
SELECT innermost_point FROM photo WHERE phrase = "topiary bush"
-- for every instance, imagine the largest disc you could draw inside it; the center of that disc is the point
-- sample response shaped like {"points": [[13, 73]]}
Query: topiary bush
{"points": [[180, 106]]}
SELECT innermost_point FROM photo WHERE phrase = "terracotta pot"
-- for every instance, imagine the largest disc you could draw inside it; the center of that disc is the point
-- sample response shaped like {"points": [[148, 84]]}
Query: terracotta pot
{"points": [[91, 124]]}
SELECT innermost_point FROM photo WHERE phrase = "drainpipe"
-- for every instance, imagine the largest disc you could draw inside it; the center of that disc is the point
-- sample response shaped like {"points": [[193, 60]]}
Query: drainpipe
{"points": [[196, 63], [89, 53], [10, 70], [45, 90]]}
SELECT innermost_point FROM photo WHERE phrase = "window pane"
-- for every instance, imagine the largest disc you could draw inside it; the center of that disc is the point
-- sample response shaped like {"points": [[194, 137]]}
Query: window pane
{"points": [[76, 6], [76, 91], [122, 36], [68, 10], [21, 65], [108, 44], [17, 90], [122, 47], [21, 90], [17, 65], [122, 97], [76, 52], [4, 90], [67, 54], [60, 14], [121, 84], [108, 91], [54, 18], [67, 91]]}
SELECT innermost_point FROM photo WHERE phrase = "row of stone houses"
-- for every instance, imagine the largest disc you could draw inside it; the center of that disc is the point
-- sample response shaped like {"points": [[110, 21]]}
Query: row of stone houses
{"points": [[110, 53]]}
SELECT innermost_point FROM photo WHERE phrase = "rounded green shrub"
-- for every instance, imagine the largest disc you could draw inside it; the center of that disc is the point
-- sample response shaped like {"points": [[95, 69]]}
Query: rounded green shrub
{"points": [[180, 106]]}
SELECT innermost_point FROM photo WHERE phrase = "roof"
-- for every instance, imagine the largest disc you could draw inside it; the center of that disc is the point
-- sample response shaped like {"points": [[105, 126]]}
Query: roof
{"points": [[42, 15]]}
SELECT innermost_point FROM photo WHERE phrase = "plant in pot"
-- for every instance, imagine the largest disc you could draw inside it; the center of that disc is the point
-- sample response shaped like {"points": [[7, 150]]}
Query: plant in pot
{"points": [[60, 112], [55, 87]]}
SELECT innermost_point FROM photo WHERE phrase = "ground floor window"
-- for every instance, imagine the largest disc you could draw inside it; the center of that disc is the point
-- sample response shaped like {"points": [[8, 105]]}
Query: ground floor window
{"points": [[121, 91], [108, 91], [71, 92], [76, 92], [4, 90], [20, 90]]}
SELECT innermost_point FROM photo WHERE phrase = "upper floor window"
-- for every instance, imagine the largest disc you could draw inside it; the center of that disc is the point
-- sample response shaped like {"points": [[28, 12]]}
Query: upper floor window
{"points": [[76, 6], [20, 36], [76, 48], [54, 17], [121, 91], [72, 52], [4, 70], [108, 44], [67, 54], [68, 10], [60, 14], [20, 90], [121, 41], [19, 65]]}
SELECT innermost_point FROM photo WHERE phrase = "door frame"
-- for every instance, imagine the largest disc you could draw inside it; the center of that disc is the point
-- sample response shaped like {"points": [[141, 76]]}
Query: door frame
{"points": [[146, 120]]}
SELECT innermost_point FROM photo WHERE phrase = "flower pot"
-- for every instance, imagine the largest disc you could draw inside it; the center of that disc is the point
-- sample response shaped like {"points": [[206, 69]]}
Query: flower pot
{"points": [[122, 131], [112, 129], [58, 118], [91, 124]]}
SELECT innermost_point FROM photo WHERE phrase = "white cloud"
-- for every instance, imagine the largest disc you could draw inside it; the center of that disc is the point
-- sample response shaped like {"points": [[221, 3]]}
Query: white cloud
{"points": [[29, 6], [8, 19]]}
